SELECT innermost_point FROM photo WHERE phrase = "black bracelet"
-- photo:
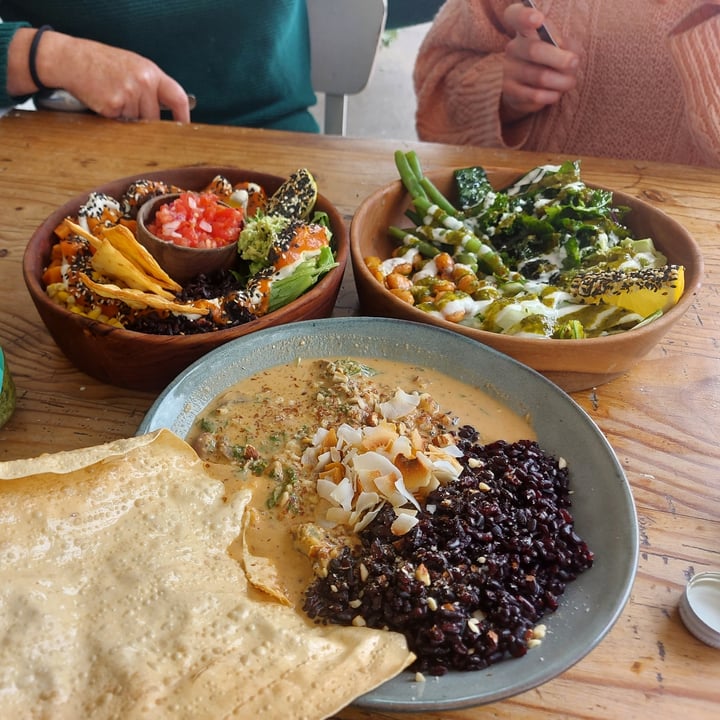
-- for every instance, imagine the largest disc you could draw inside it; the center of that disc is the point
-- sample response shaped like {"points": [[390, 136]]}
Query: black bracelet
{"points": [[32, 57]]}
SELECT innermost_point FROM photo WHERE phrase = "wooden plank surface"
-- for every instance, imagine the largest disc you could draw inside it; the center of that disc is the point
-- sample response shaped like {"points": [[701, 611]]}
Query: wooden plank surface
{"points": [[662, 418]]}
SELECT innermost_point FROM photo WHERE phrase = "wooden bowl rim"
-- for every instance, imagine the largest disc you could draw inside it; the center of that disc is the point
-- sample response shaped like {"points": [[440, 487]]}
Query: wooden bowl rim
{"points": [[694, 270], [31, 263]]}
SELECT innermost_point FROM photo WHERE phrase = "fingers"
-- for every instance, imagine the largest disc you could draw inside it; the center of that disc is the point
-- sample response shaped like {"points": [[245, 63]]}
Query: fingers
{"points": [[145, 100], [522, 20], [120, 84], [172, 96], [144, 95], [535, 73]]}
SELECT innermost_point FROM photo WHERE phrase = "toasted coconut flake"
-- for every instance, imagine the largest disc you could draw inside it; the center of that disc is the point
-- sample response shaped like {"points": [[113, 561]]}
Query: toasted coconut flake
{"points": [[386, 461], [402, 446], [348, 435], [379, 437], [371, 465], [338, 516], [446, 469], [343, 494], [403, 523], [416, 471], [400, 405], [333, 472]]}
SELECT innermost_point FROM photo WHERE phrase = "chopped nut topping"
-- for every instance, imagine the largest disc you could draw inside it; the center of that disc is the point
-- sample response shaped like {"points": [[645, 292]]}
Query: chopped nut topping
{"points": [[539, 632], [422, 574]]}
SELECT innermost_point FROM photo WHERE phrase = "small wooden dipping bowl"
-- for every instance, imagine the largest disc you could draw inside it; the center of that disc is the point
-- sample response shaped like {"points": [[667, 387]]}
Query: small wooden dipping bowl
{"points": [[180, 262]]}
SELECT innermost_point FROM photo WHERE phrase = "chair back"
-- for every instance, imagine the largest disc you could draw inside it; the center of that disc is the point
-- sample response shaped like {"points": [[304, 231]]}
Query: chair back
{"points": [[344, 40]]}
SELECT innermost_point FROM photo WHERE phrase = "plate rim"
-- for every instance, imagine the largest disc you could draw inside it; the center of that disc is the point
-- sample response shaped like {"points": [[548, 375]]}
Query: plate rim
{"points": [[378, 699]]}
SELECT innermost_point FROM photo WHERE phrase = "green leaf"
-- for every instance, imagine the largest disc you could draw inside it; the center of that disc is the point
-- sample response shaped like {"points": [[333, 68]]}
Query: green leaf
{"points": [[306, 274], [473, 186]]}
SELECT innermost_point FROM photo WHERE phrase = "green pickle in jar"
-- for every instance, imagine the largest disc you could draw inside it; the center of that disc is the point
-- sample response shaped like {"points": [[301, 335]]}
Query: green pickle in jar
{"points": [[7, 391]]}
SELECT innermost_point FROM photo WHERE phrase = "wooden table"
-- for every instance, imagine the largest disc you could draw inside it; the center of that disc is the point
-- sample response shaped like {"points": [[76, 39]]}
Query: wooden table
{"points": [[662, 419]]}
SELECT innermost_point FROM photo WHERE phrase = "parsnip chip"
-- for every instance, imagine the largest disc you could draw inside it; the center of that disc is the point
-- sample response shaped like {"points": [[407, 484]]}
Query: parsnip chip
{"points": [[122, 238], [79, 230], [110, 262], [139, 300], [119, 598]]}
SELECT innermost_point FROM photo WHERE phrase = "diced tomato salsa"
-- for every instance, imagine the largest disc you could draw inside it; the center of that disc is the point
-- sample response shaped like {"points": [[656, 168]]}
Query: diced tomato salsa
{"points": [[197, 220]]}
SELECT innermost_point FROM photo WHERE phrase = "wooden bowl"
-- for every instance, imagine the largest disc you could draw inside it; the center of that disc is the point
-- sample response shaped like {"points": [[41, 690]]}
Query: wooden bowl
{"points": [[179, 262], [141, 361], [571, 364]]}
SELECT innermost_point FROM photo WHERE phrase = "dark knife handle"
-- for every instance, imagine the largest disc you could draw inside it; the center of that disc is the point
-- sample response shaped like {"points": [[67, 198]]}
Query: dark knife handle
{"points": [[542, 31]]}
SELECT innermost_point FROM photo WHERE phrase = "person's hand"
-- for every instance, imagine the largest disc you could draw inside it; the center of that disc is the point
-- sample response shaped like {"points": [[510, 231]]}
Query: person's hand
{"points": [[535, 73], [110, 81]]}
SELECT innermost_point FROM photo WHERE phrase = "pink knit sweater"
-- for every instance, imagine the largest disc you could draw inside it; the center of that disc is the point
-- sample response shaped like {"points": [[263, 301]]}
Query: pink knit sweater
{"points": [[645, 91]]}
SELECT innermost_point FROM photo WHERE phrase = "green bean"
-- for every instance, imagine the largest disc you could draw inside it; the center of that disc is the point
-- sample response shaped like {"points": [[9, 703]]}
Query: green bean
{"points": [[464, 238], [436, 197], [409, 179], [414, 161], [409, 239], [467, 259], [413, 217], [429, 189]]}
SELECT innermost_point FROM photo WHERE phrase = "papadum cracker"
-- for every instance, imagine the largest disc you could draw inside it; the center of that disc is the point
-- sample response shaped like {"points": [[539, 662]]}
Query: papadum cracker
{"points": [[119, 598]]}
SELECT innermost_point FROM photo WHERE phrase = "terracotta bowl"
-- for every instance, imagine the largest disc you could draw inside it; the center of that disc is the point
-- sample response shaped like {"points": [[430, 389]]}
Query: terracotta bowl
{"points": [[571, 364], [179, 262], [141, 361]]}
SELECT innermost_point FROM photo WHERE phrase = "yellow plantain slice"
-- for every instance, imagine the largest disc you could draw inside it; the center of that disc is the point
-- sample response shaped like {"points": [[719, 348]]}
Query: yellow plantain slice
{"points": [[122, 238], [139, 300]]}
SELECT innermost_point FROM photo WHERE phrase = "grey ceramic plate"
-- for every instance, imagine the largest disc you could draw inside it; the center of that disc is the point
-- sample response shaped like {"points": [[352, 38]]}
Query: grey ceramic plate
{"points": [[603, 507]]}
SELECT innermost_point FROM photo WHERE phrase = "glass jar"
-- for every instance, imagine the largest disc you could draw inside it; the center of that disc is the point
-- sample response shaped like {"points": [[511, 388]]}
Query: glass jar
{"points": [[7, 391]]}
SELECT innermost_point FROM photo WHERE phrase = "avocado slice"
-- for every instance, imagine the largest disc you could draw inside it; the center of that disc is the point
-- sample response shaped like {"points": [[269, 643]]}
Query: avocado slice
{"points": [[295, 198]]}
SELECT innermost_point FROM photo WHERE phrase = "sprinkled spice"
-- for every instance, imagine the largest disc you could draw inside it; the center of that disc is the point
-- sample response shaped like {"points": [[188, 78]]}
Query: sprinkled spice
{"points": [[617, 282]]}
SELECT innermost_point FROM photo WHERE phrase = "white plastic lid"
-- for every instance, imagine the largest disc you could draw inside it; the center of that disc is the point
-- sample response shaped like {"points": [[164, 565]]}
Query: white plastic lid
{"points": [[700, 607]]}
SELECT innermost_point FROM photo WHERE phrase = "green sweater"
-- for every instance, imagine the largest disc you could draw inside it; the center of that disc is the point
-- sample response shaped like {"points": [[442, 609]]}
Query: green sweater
{"points": [[247, 64]]}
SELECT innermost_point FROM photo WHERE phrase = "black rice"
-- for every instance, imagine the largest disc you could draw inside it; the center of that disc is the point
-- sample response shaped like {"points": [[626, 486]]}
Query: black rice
{"points": [[223, 285], [491, 555]]}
